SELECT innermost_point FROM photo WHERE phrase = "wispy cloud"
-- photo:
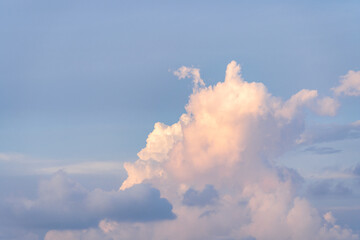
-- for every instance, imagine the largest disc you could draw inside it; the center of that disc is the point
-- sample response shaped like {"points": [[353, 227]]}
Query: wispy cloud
{"points": [[11, 157], [189, 72], [328, 187], [322, 150], [337, 173], [85, 168], [330, 133]]}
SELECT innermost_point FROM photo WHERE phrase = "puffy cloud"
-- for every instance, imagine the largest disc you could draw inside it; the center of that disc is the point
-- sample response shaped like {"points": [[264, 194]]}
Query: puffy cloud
{"points": [[65, 204], [160, 141], [326, 106], [349, 84], [140, 171], [299, 99], [158, 145], [226, 125], [228, 138], [329, 218]]}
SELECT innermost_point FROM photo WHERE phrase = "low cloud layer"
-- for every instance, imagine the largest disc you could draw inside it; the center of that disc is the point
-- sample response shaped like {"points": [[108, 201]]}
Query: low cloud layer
{"points": [[322, 150], [64, 204], [326, 188], [330, 133]]}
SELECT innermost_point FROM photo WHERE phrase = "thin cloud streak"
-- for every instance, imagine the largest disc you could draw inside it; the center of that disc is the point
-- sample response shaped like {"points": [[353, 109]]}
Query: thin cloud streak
{"points": [[85, 168]]}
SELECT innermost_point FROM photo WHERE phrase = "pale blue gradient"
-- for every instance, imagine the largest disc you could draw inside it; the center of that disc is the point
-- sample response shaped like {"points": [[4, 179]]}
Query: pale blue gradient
{"points": [[89, 79], [85, 81]]}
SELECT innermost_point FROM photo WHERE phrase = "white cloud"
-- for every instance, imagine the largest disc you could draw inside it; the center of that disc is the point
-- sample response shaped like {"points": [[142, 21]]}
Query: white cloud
{"points": [[140, 171], [349, 84], [194, 73], [329, 218], [232, 133], [296, 101], [326, 106], [160, 141]]}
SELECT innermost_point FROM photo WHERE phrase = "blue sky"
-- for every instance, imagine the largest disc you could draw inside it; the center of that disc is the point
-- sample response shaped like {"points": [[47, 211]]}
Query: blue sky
{"points": [[83, 83], [69, 67]]}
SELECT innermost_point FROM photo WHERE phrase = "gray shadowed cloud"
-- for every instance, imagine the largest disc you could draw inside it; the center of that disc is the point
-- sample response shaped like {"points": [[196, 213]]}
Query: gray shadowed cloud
{"points": [[356, 170], [289, 174], [208, 196], [328, 187], [249, 238], [322, 150], [65, 204], [330, 133]]}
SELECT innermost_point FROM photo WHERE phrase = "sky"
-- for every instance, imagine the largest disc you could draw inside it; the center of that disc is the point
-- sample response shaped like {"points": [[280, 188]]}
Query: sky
{"points": [[179, 120]]}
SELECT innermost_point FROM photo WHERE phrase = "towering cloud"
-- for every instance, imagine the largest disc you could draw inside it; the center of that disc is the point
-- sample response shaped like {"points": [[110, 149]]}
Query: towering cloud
{"points": [[217, 167], [229, 139]]}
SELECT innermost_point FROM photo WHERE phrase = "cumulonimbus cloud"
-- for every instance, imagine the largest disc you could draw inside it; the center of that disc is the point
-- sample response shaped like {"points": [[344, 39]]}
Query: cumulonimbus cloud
{"points": [[228, 138], [216, 166], [231, 123]]}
